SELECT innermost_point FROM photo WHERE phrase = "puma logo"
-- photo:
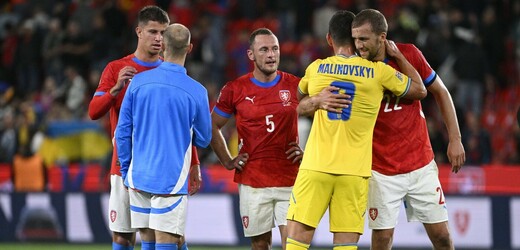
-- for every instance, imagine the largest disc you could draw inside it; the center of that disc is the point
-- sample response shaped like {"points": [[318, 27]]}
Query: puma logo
{"points": [[252, 99]]}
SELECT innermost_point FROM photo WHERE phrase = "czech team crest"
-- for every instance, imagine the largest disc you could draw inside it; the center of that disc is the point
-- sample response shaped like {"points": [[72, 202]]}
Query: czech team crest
{"points": [[285, 96], [372, 212], [113, 215], [245, 221]]}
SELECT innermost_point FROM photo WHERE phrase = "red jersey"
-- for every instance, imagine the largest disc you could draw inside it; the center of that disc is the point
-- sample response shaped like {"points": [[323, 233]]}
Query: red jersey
{"points": [[103, 102], [401, 142], [266, 121]]}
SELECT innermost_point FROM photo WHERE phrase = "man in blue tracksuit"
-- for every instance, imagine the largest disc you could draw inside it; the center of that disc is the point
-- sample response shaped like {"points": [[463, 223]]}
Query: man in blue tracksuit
{"points": [[163, 112]]}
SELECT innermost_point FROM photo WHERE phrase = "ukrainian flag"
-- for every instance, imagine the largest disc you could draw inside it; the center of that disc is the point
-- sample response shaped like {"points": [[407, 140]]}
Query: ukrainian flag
{"points": [[74, 141]]}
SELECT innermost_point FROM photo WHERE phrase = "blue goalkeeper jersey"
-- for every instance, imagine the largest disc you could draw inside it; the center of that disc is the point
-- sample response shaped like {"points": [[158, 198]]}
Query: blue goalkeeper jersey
{"points": [[164, 111]]}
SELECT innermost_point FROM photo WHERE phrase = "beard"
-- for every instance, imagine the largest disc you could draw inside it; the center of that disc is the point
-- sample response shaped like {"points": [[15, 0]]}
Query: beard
{"points": [[265, 69], [368, 54]]}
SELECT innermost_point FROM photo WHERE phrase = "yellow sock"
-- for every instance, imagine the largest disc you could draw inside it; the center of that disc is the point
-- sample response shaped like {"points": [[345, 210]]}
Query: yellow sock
{"points": [[295, 245], [346, 246]]}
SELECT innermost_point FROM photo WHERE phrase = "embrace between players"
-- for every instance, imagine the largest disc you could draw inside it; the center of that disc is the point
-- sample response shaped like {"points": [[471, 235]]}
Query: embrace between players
{"points": [[358, 157]]}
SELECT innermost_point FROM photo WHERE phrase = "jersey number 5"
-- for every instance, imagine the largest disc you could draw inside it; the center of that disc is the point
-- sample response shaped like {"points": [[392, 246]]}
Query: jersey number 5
{"points": [[269, 123], [346, 88]]}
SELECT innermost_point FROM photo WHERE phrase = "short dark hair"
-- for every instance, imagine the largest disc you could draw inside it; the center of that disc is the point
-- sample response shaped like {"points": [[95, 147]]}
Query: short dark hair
{"points": [[259, 31], [375, 18], [340, 27], [152, 13]]}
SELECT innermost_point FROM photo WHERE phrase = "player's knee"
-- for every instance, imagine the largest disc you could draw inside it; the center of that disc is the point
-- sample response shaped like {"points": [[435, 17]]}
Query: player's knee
{"points": [[442, 241], [261, 242], [260, 245], [124, 239], [382, 239]]}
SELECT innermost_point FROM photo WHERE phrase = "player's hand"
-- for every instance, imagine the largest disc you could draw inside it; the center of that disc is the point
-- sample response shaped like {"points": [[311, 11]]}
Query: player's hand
{"points": [[295, 152], [391, 49], [238, 163], [330, 101], [195, 180], [125, 74], [456, 155]]}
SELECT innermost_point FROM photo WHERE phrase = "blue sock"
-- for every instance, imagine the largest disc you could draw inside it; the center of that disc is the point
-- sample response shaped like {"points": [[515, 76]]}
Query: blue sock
{"points": [[166, 246], [184, 246], [116, 246], [147, 245]]}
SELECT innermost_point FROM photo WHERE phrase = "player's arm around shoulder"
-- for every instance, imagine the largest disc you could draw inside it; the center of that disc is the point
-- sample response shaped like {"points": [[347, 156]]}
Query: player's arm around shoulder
{"points": [[328, 99], [416, 90]]}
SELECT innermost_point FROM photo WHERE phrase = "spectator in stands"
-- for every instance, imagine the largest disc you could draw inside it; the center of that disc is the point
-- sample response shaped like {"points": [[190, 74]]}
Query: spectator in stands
{"points": [[236, 54], [7, 137], [102, 51], [321, 17], [76, 92], [438, 141], [476, 141], [26, 124], [27, 58], [9, 44], [49, 93], [82, 12], [51, 50], [76, 47], [493, 48], [471, 69]]}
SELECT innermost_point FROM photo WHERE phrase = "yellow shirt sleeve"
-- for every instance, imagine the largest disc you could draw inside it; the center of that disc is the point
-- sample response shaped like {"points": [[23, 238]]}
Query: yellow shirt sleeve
{"points": [[303, 86], [393, 80]]}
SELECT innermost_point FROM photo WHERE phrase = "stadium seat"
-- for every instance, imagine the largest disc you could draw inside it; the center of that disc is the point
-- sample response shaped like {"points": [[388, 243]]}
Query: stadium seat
{"points": [[92, 181], [54, 179], [5, 176], [5, 172]]}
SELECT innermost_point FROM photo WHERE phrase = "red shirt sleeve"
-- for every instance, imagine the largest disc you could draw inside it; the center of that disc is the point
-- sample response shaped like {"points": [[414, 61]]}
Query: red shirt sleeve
{"points": [[194, 156], [225, 101], [100, 105], [102, 100]]}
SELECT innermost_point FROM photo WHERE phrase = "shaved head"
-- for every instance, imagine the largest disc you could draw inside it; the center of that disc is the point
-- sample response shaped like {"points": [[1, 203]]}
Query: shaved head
{"points": [[176, 40]]}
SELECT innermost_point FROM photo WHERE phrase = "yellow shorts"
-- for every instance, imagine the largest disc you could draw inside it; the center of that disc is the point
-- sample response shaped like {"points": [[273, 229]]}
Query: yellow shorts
{"points": [[344, 195]]}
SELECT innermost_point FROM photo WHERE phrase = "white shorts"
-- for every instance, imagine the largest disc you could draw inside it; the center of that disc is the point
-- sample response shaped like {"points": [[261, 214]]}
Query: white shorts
{"points": [[158, 212], [260, 208], [119, 206], [420, 190]]}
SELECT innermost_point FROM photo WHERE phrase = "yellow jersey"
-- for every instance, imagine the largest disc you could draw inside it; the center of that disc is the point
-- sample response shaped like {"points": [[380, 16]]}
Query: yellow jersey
{"points": [[342, 143]]}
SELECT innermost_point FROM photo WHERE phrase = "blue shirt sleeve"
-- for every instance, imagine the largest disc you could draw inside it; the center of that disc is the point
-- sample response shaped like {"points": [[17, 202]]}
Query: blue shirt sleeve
{"points": [[123, 133], [202, 123]]}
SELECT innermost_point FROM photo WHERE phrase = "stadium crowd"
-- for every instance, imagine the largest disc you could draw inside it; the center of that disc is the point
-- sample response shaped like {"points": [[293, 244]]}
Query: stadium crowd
{"points": [[52, 54]]}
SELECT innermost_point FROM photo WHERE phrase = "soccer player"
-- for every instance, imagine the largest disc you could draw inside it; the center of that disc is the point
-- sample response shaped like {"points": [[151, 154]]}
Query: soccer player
{"points": [[264, 104], [336, 167], [163, 113], [403, 162], [152, 21]]}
